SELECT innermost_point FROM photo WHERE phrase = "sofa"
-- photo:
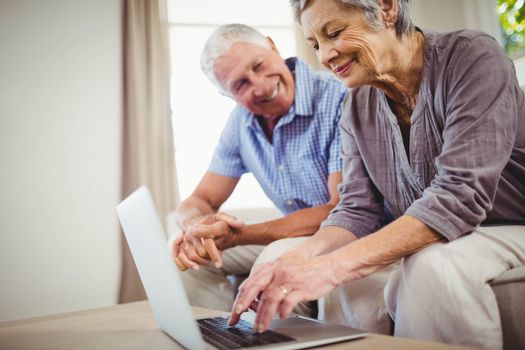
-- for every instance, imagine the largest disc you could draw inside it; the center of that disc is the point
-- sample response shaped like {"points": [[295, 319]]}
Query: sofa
{"points": [[510, 294]]}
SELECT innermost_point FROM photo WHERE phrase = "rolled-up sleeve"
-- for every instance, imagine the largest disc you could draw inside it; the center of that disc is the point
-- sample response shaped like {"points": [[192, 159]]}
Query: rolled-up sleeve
{"points": [[360, 206], [478, 137]]}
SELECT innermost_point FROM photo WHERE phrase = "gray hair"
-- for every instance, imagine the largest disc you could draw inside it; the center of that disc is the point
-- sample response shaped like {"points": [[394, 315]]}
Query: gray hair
{"points": [[220, 42], [371, 13]]}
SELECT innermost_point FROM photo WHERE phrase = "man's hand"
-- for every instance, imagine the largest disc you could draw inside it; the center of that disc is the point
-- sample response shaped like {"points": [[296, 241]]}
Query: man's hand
{"points": [[189, 253], [204, 240], [279, 286], [219, 227]]}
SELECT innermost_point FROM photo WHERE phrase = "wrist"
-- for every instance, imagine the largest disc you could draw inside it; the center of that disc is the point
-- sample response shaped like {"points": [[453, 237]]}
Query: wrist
{"points": [[348, 265], [336, 270], [240, 236], [186, 215]]}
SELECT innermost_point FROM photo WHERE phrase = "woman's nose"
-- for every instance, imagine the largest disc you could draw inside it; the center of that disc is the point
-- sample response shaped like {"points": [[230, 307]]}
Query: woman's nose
{"points": [[325, 54]]}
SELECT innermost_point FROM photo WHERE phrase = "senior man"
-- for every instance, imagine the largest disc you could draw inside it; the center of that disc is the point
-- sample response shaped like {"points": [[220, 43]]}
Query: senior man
{"points": [[284, 130]]}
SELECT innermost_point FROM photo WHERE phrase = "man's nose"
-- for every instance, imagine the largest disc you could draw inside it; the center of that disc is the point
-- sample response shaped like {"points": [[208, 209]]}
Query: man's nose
{"points": [[261, 87]]}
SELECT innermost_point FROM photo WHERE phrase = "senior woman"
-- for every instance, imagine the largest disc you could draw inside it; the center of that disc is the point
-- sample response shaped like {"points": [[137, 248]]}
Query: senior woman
{"points": [[434, 127]]}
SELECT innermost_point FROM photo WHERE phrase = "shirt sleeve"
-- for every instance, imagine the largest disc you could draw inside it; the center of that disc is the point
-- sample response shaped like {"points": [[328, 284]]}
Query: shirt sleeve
{"points": [[478, 136], [335, 162], [360, 207], [227, 158]]}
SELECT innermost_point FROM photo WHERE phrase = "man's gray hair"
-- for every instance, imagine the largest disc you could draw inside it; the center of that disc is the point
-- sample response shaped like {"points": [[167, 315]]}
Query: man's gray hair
{"points": [[220, 42], [371, 12]]}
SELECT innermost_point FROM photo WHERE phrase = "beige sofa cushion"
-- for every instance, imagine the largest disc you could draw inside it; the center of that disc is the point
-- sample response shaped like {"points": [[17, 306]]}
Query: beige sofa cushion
{"points": [[510, 294]]}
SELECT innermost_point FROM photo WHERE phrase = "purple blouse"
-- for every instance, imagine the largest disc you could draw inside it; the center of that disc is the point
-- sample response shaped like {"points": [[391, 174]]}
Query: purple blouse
{"points": [[467, 144]]}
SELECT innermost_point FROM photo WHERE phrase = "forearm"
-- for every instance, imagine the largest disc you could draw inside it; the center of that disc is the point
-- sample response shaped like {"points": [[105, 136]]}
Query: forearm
{"points": [[365, 256], [326, 240], [303, 222]]}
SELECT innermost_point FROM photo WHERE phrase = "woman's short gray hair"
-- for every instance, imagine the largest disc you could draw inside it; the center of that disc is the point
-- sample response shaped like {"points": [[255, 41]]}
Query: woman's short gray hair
{"points": [[220, 42], [371, 12]]}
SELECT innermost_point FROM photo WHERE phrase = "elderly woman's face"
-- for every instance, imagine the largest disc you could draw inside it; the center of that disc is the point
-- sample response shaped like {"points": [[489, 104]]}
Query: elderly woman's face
{"points": [[344, 42]]}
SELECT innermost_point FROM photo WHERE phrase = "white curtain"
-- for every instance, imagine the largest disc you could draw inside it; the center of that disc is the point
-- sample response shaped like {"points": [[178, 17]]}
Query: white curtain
{"points": [[148, 151]]}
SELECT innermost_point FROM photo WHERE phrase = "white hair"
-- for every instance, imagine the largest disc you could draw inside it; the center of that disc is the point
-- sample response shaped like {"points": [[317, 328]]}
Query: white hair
{"points": [[371, 12], [220, 42]]}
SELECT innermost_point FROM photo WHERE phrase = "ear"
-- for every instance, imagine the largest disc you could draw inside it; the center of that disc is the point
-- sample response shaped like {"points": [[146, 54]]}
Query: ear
{"points": [[389, 12], [272, 45]]}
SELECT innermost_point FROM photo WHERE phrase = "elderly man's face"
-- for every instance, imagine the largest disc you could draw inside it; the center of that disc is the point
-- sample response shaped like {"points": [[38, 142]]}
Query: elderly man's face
{"points": [[345, 43], [256, 78]]}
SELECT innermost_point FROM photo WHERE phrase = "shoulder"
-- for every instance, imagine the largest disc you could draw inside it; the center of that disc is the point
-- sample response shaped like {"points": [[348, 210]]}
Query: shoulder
{"points": [[237, 121], [359, 105], [461, 38], [456, 59], [465, 47], [317, 93], [322, 82], [238, 116]]}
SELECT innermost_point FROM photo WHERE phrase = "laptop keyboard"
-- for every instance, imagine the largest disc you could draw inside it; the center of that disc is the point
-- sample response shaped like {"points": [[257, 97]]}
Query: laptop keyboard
{"points": [[216, 331]]}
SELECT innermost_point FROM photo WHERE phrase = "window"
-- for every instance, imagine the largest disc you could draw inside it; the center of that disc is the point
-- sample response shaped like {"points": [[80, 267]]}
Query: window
{"points": [[512, 18], [511, 15], [199, 111]]}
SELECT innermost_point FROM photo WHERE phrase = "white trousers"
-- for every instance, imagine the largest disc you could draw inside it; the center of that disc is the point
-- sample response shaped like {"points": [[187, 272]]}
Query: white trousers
{"points": [[359, 304], [442, 293], [211, 288]]}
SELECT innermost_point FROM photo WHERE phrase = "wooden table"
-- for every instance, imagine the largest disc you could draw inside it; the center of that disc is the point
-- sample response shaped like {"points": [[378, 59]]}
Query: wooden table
{"points": [[132, 326]]}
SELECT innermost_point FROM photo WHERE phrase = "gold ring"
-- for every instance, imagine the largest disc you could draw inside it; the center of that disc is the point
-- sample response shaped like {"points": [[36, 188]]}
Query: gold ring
{"points": [[284, 290]]}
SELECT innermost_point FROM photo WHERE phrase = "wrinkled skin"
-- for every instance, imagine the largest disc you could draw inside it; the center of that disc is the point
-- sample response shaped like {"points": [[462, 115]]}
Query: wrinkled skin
{"points": [[203, 241], [302, 279], [342, 38]]}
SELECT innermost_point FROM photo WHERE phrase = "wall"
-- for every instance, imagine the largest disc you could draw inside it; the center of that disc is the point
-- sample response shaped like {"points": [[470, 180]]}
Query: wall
{"points": [[450, 15], [443, 15], [60, 112]]}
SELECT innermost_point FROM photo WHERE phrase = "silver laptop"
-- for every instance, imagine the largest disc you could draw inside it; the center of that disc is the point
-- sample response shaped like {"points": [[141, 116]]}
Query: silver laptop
{"points": [[167, 297]]}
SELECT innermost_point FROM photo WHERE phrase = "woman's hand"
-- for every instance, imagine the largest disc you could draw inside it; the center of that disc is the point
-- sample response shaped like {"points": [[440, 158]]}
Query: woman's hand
{"points": [[279, 286]]}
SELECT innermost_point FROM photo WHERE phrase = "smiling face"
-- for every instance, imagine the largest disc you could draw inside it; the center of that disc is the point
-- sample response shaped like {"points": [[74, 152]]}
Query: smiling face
{"points": [[256, 78], [344, 42]]}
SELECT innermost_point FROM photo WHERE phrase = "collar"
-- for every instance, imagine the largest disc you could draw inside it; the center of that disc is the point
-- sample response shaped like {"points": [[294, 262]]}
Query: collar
{"points": [[304, 89]]}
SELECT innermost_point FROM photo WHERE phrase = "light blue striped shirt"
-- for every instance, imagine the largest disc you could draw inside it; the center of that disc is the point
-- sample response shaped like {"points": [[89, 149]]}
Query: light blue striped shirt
{"points": [[293, 170]]}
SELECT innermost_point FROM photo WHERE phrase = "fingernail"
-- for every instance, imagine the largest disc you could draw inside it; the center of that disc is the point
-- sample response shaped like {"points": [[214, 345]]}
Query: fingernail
{"points": [[238, 309], [260, 329], [218, 265]]}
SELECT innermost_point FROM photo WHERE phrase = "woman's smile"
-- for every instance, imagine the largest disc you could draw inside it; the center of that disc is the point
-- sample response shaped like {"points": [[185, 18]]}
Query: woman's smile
{"points": [[344, 68]]}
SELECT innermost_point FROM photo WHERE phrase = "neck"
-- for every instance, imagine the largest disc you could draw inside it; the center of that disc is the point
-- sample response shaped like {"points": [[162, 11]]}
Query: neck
{"points": [[268, 125], [402, 71]]}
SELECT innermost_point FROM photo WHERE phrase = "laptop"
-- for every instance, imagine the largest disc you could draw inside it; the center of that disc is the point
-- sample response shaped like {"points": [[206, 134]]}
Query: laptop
{"points": [[169, 302]]}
